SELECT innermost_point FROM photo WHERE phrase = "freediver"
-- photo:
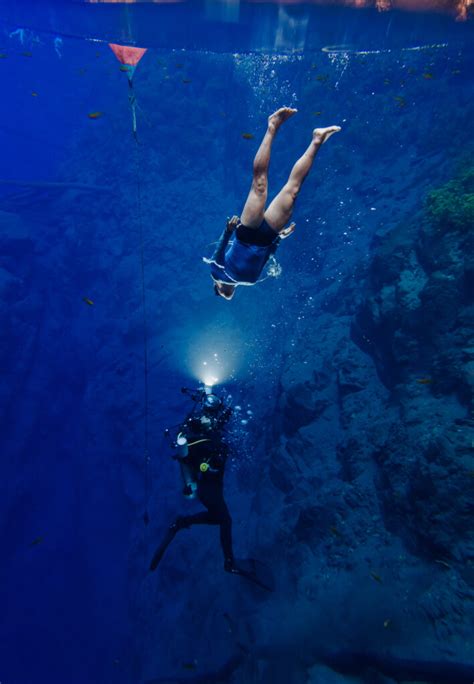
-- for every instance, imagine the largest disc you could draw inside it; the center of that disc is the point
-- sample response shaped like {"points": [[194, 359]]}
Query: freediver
{"points": [[202, 453], [259, 230]]}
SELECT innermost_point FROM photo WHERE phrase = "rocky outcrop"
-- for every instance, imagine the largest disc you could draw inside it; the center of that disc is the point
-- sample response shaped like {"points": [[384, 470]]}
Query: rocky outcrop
{"points": [[417, 316], [416, 322]]}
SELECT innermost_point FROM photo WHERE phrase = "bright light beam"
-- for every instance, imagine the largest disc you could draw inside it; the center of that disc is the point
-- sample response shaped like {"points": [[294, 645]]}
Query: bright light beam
{"points": [[213, 359]]}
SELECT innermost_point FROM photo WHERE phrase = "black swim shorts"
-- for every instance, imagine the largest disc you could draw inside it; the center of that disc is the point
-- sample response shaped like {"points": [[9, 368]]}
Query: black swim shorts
{"points": [[263, 236]]}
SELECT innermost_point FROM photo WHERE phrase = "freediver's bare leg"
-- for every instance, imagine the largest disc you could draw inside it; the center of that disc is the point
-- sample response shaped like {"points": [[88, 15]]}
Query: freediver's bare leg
{"points": [[279, 211], [253, 211]]}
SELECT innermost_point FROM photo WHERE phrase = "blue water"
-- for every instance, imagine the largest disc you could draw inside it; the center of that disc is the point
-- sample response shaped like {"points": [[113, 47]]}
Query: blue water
{"points": [[346, 476]]}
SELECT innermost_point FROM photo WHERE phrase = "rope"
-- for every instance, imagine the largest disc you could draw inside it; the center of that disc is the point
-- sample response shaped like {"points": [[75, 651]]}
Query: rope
{"points": [[146, 454], [133, 101]]}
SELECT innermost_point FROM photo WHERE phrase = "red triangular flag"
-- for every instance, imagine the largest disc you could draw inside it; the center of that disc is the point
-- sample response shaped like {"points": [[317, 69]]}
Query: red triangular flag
{"points": [[126, 54]]}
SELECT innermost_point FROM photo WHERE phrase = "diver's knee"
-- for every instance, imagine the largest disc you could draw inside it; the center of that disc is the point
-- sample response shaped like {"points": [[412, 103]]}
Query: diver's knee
{"points": [[260, 184], [292, 191]]}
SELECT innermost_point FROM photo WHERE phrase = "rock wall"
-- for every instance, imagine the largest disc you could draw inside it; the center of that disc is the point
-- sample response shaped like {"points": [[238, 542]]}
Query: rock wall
{"points": [[416, 322], [368, 481]]}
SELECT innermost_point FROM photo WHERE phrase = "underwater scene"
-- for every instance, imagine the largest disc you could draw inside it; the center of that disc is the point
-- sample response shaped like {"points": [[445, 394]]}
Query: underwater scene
{"points": [[237, 352]]}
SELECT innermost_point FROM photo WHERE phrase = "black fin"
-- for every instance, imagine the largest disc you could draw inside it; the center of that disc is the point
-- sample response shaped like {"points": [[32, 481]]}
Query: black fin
{"points": [[166, 541], [256, 572]]}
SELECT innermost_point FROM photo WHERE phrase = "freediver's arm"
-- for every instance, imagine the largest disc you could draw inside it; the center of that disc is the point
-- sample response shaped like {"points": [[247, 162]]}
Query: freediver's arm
{"points": [[219, 252]]}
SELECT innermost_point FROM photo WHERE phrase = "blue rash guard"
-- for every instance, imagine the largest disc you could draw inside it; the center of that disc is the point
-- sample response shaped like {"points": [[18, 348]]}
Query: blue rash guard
{"points": [[242, 260]]}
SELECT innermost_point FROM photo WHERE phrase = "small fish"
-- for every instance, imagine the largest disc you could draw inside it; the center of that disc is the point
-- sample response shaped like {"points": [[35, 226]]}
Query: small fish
{"points": [[124, 67], [376, 577], [186, 80], [442, 562], [88, 301], [424, 381], [411, 70], [192, 665], [26, 54], [317, 113], [248, 136], [387, 623], [386, 81], [179, 65], [95, 115], [34, 94], [427, 75], [334, 531], [322, 78], [36, 541], [400, 100], [3, 55], [456, 72]]}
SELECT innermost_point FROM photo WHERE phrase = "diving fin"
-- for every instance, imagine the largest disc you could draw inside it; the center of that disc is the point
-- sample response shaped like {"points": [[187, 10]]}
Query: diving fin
{"points": [[171, 532], [254, 571]]}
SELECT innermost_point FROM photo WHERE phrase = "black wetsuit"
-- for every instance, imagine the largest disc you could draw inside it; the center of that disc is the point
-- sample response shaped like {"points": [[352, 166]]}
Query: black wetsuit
{"points": [[209, 449], [214, 452]]}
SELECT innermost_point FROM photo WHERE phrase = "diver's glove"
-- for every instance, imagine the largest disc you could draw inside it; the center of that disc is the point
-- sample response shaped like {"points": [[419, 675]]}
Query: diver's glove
{"points": [[232, 223]]}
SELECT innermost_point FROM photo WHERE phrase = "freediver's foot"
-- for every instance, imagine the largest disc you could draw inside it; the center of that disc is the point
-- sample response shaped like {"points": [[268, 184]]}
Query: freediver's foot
{"points": [[320, 135], [276, 119]]}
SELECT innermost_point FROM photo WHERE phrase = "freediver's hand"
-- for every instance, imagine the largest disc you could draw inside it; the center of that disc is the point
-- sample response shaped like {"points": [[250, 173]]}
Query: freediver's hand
{"points": [[286, 232], [232, 223]]}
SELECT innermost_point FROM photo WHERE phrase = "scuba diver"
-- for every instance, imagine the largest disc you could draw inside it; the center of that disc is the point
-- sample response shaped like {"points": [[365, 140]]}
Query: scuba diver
{"points": [[259, 230], [202, 452]]}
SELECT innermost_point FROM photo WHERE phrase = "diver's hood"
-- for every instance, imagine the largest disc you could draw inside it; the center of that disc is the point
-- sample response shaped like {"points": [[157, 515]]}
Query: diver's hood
{"points": [[212, 403]]}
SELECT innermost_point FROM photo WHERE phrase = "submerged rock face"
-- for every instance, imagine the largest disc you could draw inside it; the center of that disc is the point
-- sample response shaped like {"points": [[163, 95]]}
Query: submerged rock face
{"points": [[416, 322], [364, 506], [417, 315]]}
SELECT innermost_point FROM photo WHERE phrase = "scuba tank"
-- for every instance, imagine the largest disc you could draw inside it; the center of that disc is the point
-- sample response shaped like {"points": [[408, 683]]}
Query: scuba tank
{"points": [[182, 445], [190, 484]]}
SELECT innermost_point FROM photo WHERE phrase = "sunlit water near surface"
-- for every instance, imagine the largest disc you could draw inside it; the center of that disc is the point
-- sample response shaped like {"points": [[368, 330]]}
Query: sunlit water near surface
{"points": [[351, 365]]}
